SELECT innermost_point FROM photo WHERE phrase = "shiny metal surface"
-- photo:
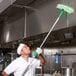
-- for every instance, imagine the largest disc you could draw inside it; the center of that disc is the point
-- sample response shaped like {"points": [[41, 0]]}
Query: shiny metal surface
{"points": [[43, 75], [23, 2], [4, 4], [32, 22], [74, 68], [13, 26], [67, 71]]}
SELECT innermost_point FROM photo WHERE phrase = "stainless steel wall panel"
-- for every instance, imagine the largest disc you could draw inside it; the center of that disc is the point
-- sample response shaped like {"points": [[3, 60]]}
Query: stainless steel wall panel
{"points": [[13, 27], [41, 19], [45, 14], [4, 4]]}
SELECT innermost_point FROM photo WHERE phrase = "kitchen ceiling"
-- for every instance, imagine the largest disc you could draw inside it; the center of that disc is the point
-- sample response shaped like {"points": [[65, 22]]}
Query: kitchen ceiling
{"points": [[13, 9], [24, 2]]}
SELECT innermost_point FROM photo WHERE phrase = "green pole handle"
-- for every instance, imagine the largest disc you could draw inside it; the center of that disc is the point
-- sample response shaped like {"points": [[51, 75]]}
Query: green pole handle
{"points": [[35, 54], [61, 13], [67, 18]]}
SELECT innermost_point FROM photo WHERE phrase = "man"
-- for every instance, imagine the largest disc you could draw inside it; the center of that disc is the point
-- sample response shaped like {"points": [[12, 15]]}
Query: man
{"points": [[24, 65]]}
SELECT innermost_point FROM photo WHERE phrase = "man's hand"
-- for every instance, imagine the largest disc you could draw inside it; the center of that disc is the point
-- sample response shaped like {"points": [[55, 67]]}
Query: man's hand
{"points": [[37, 52]]}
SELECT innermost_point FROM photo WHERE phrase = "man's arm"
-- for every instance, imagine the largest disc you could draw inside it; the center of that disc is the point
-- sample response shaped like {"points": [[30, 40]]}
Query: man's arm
{"points": [[42, 60], [38, 54], [4, 73]]}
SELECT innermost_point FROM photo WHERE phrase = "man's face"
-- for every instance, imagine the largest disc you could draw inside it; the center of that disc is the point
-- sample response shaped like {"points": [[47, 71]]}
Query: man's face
{"points": [[26, 50]]}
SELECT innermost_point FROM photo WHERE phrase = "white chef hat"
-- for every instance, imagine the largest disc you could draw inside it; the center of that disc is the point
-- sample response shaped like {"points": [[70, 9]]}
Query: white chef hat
{"points": [[20, 48]]}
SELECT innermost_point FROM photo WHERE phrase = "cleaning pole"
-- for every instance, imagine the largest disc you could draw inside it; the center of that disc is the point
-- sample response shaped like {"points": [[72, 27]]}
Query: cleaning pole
{"points": [[63, 9]]}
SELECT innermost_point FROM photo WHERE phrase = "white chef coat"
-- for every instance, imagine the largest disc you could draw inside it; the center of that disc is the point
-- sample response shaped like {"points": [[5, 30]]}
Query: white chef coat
{"points": [[19, 65]]}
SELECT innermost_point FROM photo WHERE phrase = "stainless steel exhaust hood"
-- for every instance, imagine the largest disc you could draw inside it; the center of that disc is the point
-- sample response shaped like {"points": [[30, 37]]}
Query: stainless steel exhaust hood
{"points": [[21, 21], [14, 23]]}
